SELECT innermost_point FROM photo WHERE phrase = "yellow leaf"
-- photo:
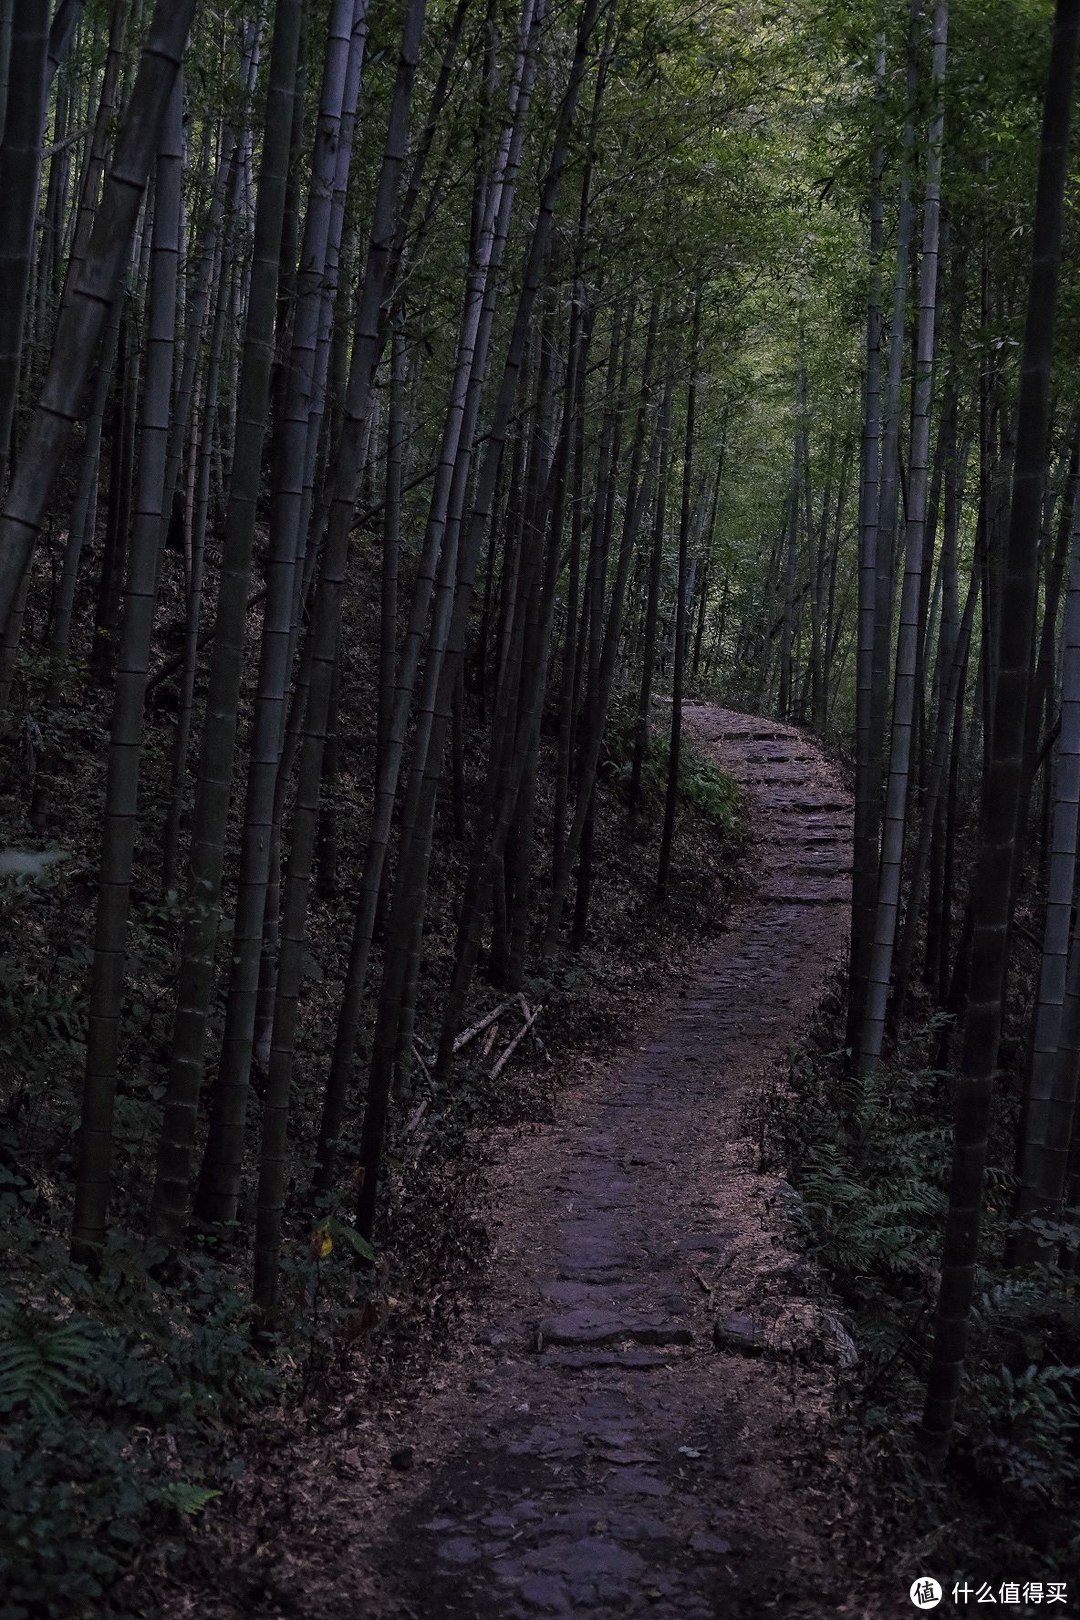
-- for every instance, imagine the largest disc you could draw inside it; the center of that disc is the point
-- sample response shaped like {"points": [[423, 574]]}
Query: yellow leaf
{"points": [[322, 1244]]}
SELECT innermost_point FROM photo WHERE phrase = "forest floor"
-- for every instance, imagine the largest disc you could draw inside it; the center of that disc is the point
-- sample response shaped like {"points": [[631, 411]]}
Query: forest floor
{"points": [[632, 1417]]}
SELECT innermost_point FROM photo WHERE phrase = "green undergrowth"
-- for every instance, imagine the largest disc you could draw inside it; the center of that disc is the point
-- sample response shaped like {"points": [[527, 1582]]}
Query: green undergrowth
{"points": [[869, 1160], [127, 1396], [124, 1395], [117, 1395], [118, 1400], [703, 787]]}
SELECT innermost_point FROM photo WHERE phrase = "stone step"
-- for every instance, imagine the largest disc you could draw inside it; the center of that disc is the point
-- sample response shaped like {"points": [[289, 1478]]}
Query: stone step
{"points": [[816, 807], [588, 1329], [806, 899], [752, 736], [814, 869], [633, 1360]]}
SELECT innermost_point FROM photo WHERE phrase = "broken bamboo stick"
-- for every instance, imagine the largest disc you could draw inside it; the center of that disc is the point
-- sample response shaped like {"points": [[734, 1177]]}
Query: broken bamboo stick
{"points": [[481, 1024], [498, 1067]]}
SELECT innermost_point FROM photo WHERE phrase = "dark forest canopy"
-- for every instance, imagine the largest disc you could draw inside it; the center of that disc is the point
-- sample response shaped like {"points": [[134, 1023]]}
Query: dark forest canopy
{"points": [[396, 401]]}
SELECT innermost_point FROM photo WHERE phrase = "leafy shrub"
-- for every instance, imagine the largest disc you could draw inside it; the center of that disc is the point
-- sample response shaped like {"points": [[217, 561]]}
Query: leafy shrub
{"points": [[869, 1158], [873, 1219], [115, 1397], [1029, 1442], [711, 793], [42, 997], [42, 1362], [703, 786]]}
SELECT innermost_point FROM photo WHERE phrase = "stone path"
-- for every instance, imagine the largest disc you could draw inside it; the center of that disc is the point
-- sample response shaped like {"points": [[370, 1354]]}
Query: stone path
{"points": [[622, 1444]]}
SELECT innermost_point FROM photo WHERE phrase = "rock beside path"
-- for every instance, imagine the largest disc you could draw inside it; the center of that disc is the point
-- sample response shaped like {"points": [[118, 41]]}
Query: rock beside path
{"points": [[739, 1332]]}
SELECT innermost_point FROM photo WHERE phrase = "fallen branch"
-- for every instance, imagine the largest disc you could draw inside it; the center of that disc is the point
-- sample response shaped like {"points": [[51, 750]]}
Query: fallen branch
{"points": [[478, 1028], [415, 1119], [416, 1130], [498, 1068], [424, 1070], [536, 1039]]}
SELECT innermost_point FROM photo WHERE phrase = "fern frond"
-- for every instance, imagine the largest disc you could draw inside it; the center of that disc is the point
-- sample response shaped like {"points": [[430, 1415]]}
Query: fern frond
{"points": [[42, 1362]]}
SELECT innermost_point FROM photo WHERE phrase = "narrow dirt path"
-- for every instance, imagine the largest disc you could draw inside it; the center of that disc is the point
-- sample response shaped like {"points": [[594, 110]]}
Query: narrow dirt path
{"points": [[623, 1426], [617, 1443]]}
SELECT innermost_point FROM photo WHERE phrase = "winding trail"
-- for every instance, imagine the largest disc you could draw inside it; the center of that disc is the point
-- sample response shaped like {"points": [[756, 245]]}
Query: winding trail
{"points": [[622, 1444]]}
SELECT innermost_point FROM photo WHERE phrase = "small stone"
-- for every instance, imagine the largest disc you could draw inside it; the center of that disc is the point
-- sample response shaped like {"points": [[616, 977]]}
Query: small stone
{"points": [[544, 1592], [497, 1521], [702, 1542], [479, 1386], [458, 1550], [741, 1333], [636, 1482], [546, 1442]]}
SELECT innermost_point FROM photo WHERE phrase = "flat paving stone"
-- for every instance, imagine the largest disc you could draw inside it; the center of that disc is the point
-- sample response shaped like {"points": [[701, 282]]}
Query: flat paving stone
{"points": [[583, 1328], [545, 1592], [630, 1360]]}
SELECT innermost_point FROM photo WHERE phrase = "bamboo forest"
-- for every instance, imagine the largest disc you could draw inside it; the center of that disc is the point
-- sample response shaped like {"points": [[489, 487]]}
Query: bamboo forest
{"points": [[539, 809]]}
